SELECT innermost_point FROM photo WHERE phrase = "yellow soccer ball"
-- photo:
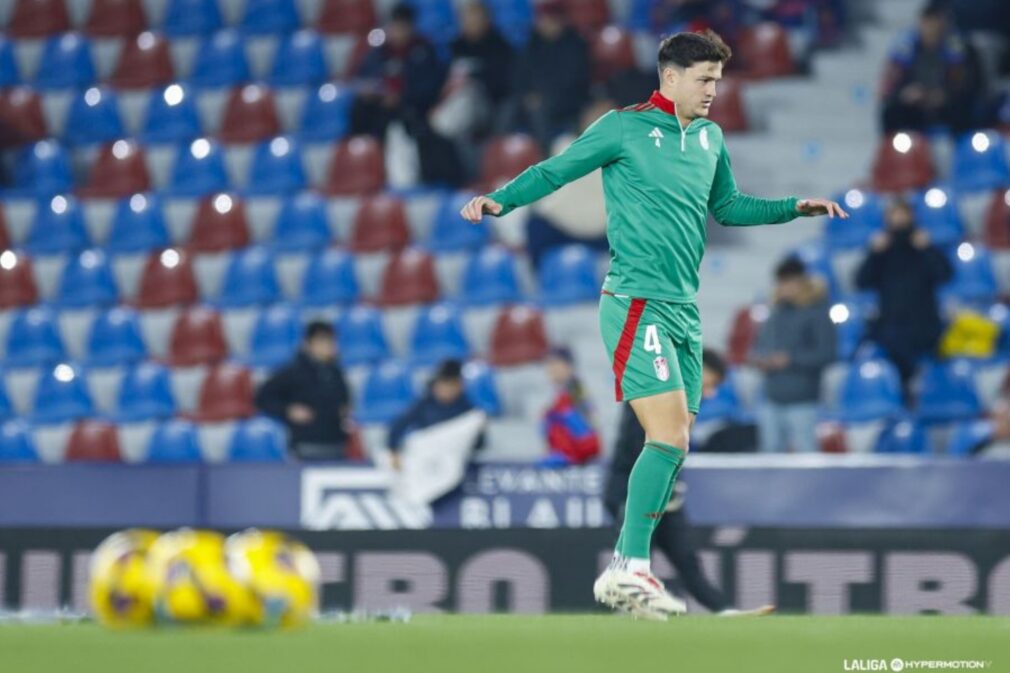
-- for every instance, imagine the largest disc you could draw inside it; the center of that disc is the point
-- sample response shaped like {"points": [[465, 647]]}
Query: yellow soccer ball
{"points": [[282, 573], [121, 589]]}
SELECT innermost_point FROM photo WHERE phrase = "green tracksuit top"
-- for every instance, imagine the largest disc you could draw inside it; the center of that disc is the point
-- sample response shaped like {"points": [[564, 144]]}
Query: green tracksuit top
{"points": [[659, 182]]}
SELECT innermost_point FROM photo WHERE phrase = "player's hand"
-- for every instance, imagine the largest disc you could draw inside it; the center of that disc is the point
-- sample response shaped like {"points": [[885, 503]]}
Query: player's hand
{"points": [[477, 206], [814, 207]]}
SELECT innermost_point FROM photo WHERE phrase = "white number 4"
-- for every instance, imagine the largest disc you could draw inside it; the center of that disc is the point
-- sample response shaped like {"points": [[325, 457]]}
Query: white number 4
{"points": [[652, 340]]}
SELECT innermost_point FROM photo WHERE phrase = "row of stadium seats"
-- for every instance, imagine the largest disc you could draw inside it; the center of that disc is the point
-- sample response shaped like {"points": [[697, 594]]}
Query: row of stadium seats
{"points": [[906, 160]]}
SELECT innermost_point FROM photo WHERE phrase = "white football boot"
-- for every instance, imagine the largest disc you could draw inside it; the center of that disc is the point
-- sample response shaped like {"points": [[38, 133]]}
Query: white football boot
{"points": [[639, 594]]}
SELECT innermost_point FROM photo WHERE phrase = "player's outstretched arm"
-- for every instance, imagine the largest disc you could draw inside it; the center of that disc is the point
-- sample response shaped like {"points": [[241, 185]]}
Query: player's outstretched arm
{"points": [[475, 208], [816, 207]]}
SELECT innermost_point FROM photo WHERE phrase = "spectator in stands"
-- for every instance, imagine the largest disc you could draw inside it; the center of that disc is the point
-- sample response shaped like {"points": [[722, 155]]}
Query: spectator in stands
{"points": [[792, 348], [989, 437], [552, 75], [724, 433], [906, 271], [932, 77], [311, 397], [568, 423], [482, 45]]}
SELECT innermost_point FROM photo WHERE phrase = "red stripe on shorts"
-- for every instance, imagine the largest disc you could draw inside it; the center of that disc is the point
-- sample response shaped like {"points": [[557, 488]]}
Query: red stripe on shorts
{"points": [[623, 351]]}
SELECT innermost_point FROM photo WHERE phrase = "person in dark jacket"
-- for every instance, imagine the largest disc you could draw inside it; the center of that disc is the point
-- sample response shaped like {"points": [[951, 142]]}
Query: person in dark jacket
{"points": [[793, 347], [311, 397], [481, 44], [906, 272]]}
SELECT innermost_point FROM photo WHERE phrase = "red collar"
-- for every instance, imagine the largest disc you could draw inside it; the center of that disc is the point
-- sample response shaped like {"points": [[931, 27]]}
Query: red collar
{"points": [[663, 103]]}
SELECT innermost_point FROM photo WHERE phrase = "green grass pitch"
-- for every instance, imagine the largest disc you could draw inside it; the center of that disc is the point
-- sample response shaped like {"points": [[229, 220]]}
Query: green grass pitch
{"points": [[516, 644]]}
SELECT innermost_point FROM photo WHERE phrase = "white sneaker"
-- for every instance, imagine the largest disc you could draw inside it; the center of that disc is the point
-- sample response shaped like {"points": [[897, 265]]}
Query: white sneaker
{"points": [[639, 594]]}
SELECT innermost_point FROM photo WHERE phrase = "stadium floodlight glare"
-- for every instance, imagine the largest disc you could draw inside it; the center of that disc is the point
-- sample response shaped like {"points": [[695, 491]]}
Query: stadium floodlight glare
{"points": [[251, 93], [936, 197], [146, 41], [966, 252], [980, 142], [93, 96], [173, 95], [854, 198], [58, 205], [138, 203], [376, 37], [870, 370], [121, 149], [223, 203], [8, 260], [89, 259], [328, 92], [170, 258], [64, 373], [200, 149], [44, 149], [759, 312], [902, 142], [280, 146], [839, 313]]}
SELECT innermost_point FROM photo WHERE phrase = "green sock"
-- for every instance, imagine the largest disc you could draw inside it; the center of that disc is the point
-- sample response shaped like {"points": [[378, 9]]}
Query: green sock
{"points": [[649, 488]]}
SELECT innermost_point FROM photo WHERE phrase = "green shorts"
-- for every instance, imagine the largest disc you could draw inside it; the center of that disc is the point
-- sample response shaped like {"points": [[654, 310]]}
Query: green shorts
{"points": [[654, 347]]}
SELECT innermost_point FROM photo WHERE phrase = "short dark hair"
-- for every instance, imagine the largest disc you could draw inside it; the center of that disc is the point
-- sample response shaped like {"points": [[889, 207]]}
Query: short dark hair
{"points": [[790, 267], [319, 328], [403, 13], [711, 359], [685, 49], [935, 9], [449, 370]]}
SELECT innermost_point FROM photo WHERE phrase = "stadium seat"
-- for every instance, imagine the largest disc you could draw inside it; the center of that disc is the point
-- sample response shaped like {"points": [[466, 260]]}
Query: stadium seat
{"points": [[329, 280], [326, 115], [905, 436], [613, 52], [299, 61], [450, 232], [115, 18], [5, 240], [980, 162], [249, 279], [481, 387], [220, 61], [261, 440], [171, 116], [138, 225], [16, 444], [357, 167], [850, 326], [568, 276], [277, 168], [226, 394], [167, 280], [871, 390], [191, 17], [120, 170], [58, 227], [270, 17], [903, 161], [763, 52], [145, 394], [936, 212], [518, 337], [21, 117], [87, 280], [174, 441], [409, 278], [38, 18], [9, 75], [866, 217], [361, 337], [302, 224], [275, 337], [115, 339], [6, 409], [743, 331], [947, 392], [17, 282], [967, 435], [728, 109], [380, 224], [438, 335], [219, 224], [42, 170], [93, 441], [514, 19], [197, 338], [33, 339], [387, 392], [506, 157], [974, 277], [66, 63], [490, 277], [250, 115], [347, 16], [436, 20], [144, 62], [61, 395], [199, 169], [997, 221]]}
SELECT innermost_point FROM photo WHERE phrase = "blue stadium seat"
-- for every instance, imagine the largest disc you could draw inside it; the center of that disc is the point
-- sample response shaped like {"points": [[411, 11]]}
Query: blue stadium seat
{"points": [[191, 17], [16, 443], [61, 395], [270, 17], [327, 113], [871, 390], [568, 276], [221, 61], [937, 213], [490, 278], [33, 339], [6, 408], [640, 15], [849, 318], [174, 441], [974, 278], [9, 75], [171, 116], [980, 162], [93, 117], [436, 19], [249, 279], [481, 387], [261, 440], [42, 169], [301, 224], [138, 225], [866, 217], [145, 394], [275, 336], [438, 335], [276, 168], [66, 63], [199, 169], [967, 435], [513, 18], [947, 392], [299, 60], [905, 436], [58, 227], [115, 338], [387, 392], [450, 232], [329, 280], [87, 280], [360, 335]]}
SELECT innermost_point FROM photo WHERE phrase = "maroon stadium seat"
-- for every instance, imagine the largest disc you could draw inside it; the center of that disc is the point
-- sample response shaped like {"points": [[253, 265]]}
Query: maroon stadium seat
{"points": [[380, 224], [997, 221], [831, 438], [226, 394], [518, 337], [144, 62], [741, 336], [21, 117], [38, 18], [409, 278], [587, 16], [219, 224], [119, 170], [357, 167], [17, 283], [763, 52], [728, 110], [93, 441], [250, 115], [197, 338], [903, 161], [5, 239], [347, 16], [115, 18], [167, 280], [613, 53], [507, 157]]}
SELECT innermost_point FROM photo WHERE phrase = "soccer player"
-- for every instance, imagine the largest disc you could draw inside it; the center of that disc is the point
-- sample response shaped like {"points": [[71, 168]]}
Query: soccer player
{"points": [[665, 166]]}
